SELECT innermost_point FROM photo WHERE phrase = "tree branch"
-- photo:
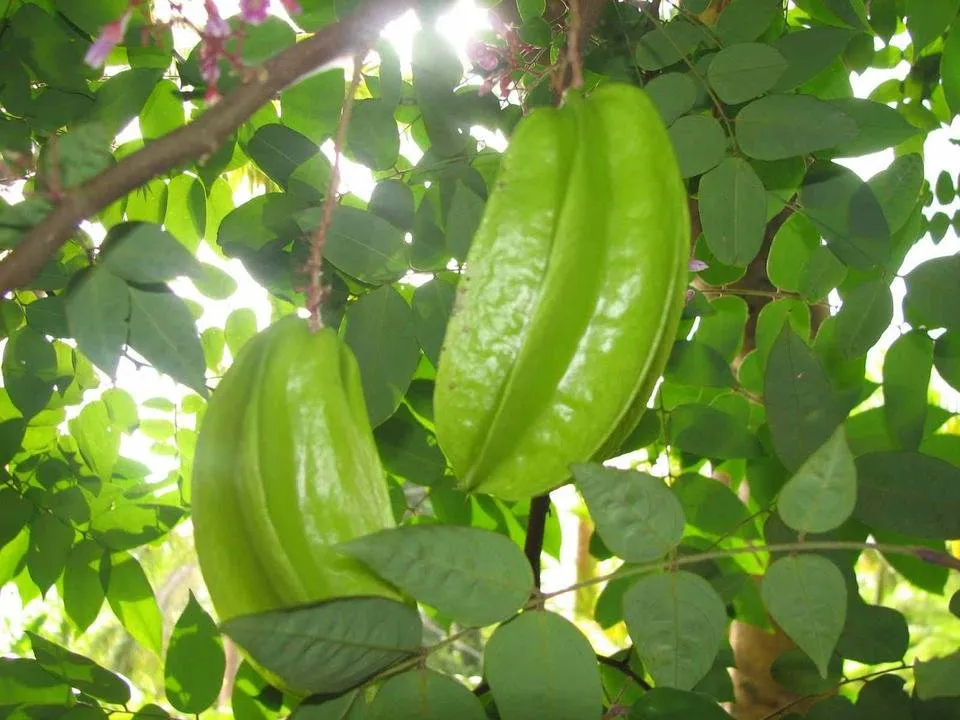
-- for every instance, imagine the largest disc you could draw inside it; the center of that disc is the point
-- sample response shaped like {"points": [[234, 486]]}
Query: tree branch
{"points": [[201, 137], [536, 526]]}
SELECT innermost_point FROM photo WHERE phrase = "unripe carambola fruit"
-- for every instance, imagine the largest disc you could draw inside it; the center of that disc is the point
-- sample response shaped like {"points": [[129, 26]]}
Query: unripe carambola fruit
{"points": [[571, 297], [285, 468]]}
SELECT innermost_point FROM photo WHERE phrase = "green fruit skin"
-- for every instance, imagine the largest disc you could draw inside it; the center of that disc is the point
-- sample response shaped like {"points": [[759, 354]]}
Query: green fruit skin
{"points": [[571, 296], [285, 468]]}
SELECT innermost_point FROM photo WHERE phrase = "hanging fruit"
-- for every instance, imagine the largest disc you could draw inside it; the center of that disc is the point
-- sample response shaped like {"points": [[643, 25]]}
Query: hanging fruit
{"points": [[571, 296]]}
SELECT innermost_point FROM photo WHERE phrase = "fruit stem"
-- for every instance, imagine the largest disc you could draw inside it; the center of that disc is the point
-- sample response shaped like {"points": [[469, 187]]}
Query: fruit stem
{"points": [[315, 289]]}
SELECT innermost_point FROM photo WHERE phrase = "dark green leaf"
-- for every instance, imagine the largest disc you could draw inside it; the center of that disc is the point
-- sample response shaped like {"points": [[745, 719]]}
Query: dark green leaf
{"points": [[79, 671], [49, 316], [332, 646], [808, 52], [195, 661], [424, 695], [866, 313], [122, 97], [950, 69], [802, 410], [263, 41], [676, 621], [909, 493], [696, 363], [163, 331], [541, 665], [822, 273], [408, 450], [82, 590], [380, 332], [795, 242], [214, 282], [373, 136], [874, 634], [781, 126], [668, 44], [906, 379], [393, 201], [463, 219], [78, 156], [29, 370], [432, 303], [733, 211], [745, 20], [880, 126], [938, 677], [699, 143], [145, 253], [897, 188], [927, 19], [723, 330], [390, 77], [637, 515], [279, 151], [436, 72], [674, 94], [933, 294], [50, 541], [946, 358], [15, 511], [665, 703], [475, 576], [709, 506], [742, 72], [710, 432]]}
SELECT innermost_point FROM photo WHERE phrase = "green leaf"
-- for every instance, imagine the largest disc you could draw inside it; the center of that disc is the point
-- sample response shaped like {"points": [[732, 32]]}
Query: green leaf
{"points": [[906, 380], [950, 70], [847, 214], [15, 513], [432, 304], [361, 244], [379, 330], [475, 576], [463, 219], [933, 294], [709, 432], [807, 596], [240, 326], [263, 41], [373, 136], [312, 106], [214, 282], [909, 493], [927, 19], [98, 308], [132, 600], [393, 201], [723, 330], [668, 44], [709, 506], [874, 634], [122, 97], [194, 665], [390, 76], [897, 188], [78, 671], [822, 273], [880, 126], [408, 450], [665, 703], [674, 94], [781, 126], [541, 665], [699, 143], [802, 410], [742, 72], [733, 211], [696, 363], [745, 20], [82, 589], [50, 541], [145, 253], [29, 370], [424, 695], [793, 245], [186, 215], [808, 52], [946, 358], [79, 155], [638, 517], [822, 493], [162, 112], [49, 316], [436, 72], [163, 331], [97, 438], [938, 677], [866, 313], [329, 647], [676, 621], [279, 151]]}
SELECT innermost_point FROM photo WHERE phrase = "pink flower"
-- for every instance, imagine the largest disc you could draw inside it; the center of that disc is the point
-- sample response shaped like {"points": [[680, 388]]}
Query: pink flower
{"points": [[209, 69], [483, 56], [110, 35], [291, 6], [254, 11], [696, 265], [216, 25], [689, 295]]}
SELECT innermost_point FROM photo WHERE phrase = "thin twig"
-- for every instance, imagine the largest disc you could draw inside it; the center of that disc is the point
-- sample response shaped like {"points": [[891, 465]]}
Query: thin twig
{"points": [[536, 526], [573, 47], [315, 290]]}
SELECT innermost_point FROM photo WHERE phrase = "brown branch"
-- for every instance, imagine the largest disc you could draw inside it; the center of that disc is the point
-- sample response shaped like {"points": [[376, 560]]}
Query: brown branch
{"points": [[201, 137]]}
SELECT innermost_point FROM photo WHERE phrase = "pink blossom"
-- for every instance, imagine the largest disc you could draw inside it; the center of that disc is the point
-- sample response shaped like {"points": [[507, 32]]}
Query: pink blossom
{"points": [[696, 265], [110, 35], [689, 295], [254, 11], [216, 25], [483, 56], [291, 6]]}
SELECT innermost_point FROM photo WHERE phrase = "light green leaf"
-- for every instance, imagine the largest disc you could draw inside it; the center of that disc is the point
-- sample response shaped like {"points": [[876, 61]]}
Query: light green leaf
{"points": [[279, 151], [822, 493], [195, 662], [97, 438], [637, 515], [807, 596], [132, 600], [938, 677], [676, 621], [541, 665], [240, 326], [950, 70], [82, 589], [933, 294], [373, 136], [145, 253], [312, 106], [50, 541], [98, 308], [742, 72], [793, 245]]}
